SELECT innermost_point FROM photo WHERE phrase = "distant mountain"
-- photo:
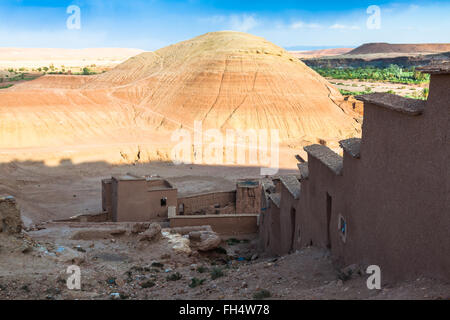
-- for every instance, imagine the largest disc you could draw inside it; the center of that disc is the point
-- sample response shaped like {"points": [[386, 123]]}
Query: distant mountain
{"points": [[320, 53], [382, 47]]}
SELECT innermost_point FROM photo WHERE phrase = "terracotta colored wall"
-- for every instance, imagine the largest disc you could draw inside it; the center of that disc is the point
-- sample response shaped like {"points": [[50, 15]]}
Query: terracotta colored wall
{"points": [[287, 217], [229, 224], [107, 197], [313, 220], [270, 231], [193, 204], [395, 198], [133, 201], [248, 200]]}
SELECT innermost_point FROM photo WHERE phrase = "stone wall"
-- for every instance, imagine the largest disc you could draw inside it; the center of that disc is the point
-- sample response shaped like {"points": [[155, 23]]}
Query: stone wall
{"points": [[10, 221]]}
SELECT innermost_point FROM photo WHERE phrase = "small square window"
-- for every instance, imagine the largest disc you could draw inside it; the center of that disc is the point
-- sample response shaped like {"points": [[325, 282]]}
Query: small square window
{"points": [[163, 202]]}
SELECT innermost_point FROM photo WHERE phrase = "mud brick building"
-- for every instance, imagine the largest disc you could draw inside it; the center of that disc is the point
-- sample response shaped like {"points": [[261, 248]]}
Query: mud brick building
{"points": [[133, 198], [386, 202]]}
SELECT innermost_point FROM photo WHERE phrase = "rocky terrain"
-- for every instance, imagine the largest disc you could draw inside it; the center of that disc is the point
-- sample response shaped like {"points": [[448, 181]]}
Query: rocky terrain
{"points": [[116, 263]]}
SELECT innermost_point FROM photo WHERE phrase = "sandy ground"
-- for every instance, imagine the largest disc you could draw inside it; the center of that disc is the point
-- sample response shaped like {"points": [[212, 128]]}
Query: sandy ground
{"points": [[33, 58], [120, 267], [56, 192], [320, 53]]}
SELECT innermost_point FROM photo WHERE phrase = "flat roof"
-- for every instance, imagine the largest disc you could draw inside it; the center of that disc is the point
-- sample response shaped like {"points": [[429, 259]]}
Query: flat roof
{"points": [[250, 183], [292, 185], [352, 146], [128, 177], [327, 156], [435, 69], [412, 107]]}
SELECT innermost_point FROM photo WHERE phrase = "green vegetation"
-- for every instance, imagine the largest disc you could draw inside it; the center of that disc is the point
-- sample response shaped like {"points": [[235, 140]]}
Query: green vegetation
{"points": [[220, 250], [202, 269], [261, 294], [216, 273], [147, 284], [393, 74], [174, 277], [86, 71], [233, 241], [6, 86], [421, 96], [354, 93], [195, 282]]}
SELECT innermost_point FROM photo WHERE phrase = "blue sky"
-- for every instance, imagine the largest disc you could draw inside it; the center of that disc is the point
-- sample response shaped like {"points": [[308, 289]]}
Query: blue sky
{"points": [[152, 24]]}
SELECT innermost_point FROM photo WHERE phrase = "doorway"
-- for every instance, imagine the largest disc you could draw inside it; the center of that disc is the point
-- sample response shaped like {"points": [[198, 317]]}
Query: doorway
{"points": [[329, 209], [293, 213]]}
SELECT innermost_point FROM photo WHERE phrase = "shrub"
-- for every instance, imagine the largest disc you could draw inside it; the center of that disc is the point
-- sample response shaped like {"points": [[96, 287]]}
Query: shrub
{"points": [[233, 241], [195, 282], [147, 284], [261, 294], [174, 277], [86, 71], [216, 273], [202, 269]]}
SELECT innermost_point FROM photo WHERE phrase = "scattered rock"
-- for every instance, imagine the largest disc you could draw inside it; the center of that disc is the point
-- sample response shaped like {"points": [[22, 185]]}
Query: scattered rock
{"points": [[153, 233], [346, 273], [204, 240], [139, 227], [120, 282]]}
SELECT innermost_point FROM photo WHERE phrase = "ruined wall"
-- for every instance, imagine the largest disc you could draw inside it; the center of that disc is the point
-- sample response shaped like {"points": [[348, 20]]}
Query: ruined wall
{"points": [[269, 226], [10, 221], [222, 224], [248, 199], [287, 218], [208, 203]]}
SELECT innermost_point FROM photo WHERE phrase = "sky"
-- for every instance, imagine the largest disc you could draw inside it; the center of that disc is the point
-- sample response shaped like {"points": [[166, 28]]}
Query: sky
{"points": [[152, 24]]}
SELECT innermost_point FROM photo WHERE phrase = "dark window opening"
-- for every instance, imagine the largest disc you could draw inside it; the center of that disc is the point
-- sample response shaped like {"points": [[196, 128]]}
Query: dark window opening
{"points": [[163, 202], [181, 208]]}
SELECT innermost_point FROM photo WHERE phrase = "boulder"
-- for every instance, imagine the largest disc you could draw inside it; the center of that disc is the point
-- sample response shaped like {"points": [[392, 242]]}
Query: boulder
{"points": [[153, 233], [204, 240], [140, 227]]}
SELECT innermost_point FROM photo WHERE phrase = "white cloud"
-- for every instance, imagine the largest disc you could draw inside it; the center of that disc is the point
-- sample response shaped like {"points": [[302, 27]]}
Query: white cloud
{"points": [[236, 22], [344, 27], [301, 24], [243, 22]]}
